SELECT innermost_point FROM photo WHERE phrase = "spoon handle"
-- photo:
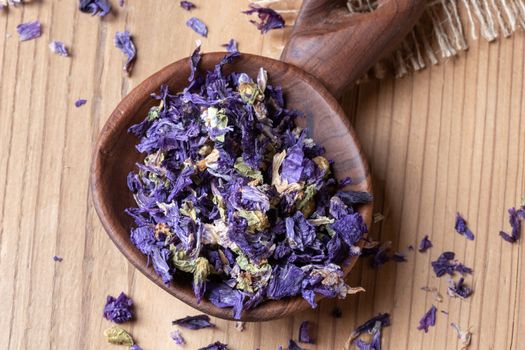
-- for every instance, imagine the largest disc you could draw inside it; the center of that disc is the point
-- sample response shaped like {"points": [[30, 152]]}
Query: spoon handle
{"points": [[338, 47]]}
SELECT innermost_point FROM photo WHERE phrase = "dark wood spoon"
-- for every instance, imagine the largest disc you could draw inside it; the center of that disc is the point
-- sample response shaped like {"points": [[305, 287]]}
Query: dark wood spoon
{"points": [[328, 50]]}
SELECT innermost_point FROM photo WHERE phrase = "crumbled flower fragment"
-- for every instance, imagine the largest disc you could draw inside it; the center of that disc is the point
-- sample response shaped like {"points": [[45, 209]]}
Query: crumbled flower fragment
{"points": [[187, 5], [292, 345], [231, 46], [57, 258], [464, 336], [305, 332], [425, 244], [29, 30], [194, 322], [269, 19], [459, 289], [428, 319], [462, 228], [445, 264], [515, 218], [368, 335], [95, 7], [59, 48], [118, 336], [367, 326], [135, 347], [215, 346], [124, 43], [80, 102], [177, 337], [198, 26], [118, 310]]}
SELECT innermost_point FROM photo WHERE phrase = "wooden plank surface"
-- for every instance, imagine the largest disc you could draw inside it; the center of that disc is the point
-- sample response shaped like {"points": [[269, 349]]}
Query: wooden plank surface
{"points": [[451, 138]]}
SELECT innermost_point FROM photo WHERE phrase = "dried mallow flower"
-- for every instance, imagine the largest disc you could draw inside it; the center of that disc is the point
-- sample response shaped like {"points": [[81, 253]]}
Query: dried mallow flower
{"points": [[194, 322], [59, 48], [464, 336], [269, 19], [177, 337], [459, 289], [425, 244], [292, 345], [187, 5], [215, 346], [445, 264], [367, 326], [29, 30], [306, 332], [231, 46], [118, 310], [239, 325], [437, 295], [118, 336], [198, 26], [428, 319], [80, 102], [235, 194], [57, 258], [124, 43], [515, 217], [95, 7], [462, 228], [368, 335]]}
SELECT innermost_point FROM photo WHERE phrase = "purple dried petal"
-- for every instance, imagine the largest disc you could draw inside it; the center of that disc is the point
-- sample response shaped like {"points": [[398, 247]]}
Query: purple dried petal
{"points": [[198, 26], [194, 322], [269, 19], [459, 289], [29, 30], [118, 310], [515, 223], [135, 347], [187, 5], [305, 330], [384, 319], [177, 337], [57, 258], [95, 7], [215, 346], [428, 319], [292, 345], [352, 198], [231, 46], [222, 295], [124, 43], [445, 265], [80, 102], [462, 228], [425, 244], [59, 48]]}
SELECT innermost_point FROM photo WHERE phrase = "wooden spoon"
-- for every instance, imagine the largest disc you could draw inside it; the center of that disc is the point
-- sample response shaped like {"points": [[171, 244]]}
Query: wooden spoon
{"points": [[332, 48]]}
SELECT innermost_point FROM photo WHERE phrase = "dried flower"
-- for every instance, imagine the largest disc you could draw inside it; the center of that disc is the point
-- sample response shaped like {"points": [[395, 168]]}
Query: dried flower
{"points": [[29, 30], [305, 332], [215, 346], [80, 102], [198, 26], [177, 337], [459, 289], [57, 258], [464, 336], [231, 46], [187, 5], [515, 223], [425, 244], [118, 336], [59, 48], [269, 19], [194, 322], [124, 43], [462, 229], [118, 310], [445, 264], [95, 7], [428, 319]]}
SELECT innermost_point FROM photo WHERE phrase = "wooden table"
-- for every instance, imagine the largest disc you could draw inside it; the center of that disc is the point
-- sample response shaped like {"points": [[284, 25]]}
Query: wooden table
{"points": [[451, 138]]}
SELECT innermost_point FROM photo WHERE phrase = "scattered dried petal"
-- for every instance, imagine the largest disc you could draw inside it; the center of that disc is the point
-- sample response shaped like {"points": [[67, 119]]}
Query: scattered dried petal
{"points": [[198, 26], [177, 337], [80, 102], [231, 46], [459, 289], [57, 258], [425, 244], [305, 332], [515, 223], [462, 228], [59, 48], [118, 336], [445, 264], [194, 322], [118, 310], [215, 346], [29, 30], [269, 19], [95, 7], [383, 319], [428, 319], [124, 43], [187, 5]]}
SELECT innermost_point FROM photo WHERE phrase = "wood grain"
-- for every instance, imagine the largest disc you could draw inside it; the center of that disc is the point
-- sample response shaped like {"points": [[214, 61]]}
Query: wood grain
{"points": [[451, 138]]}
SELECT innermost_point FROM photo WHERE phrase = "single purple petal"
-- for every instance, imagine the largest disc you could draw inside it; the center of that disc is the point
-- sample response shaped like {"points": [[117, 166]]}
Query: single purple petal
{"points": [[367, 326], [269, 19], [59, 48], [515, 223], [177, 337], [29, 30], [95, 7], [231, 46], [194, 322], [305, 332], [118, 310], [428, 319], [187, 5], [124, 43], [425, 244], [198, 26], [80, 102], [57, 258], [215, 346], [462, 228], [459, 289]]}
